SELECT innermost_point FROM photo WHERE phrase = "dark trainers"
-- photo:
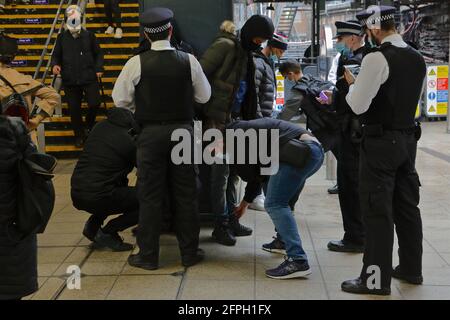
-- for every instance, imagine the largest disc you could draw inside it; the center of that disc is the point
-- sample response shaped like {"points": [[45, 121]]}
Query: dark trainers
{"points": [[276, 246], [112, 241], [138, 261], [397, 274], [222, 234], [91, 228], [238, 229], [333, 190], [290, 269]]}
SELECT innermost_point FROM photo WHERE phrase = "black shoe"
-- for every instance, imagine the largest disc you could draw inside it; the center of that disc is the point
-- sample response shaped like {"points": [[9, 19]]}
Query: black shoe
{"points": [[190, 260], [357, 286], [112, 241], [136, 260], [91, 228], [222, 234], [290, 269], [238, 229], [276, 246], [397, 274], [333, 190], [345, 246]]}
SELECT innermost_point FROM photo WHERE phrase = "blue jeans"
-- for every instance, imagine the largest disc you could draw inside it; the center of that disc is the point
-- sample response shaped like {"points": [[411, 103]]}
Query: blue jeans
{"points": [[280, 189]]}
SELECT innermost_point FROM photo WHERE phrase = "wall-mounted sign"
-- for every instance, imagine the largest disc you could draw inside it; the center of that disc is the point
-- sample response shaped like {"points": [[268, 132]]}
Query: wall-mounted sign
{"points": [[25, 41], [437, 91], [40, 1], [19, 63], [33, 20]]}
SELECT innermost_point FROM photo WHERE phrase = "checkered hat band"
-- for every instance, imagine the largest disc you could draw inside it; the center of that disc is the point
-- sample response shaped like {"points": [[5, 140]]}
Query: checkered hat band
{"points": [[158, 29], [378, 19]]}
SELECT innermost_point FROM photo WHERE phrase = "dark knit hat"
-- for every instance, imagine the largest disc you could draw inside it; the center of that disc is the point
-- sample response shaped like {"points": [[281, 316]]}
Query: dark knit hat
{"points": [[278, 41]]}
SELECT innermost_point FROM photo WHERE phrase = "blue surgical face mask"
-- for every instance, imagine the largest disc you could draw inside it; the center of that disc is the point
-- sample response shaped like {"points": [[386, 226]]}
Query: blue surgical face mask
{"points": [[342, 49], [274, 58]]}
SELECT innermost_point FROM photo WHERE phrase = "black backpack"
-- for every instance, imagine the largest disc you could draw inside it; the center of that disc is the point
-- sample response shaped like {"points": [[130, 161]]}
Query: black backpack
{"points": [[35, 191]]}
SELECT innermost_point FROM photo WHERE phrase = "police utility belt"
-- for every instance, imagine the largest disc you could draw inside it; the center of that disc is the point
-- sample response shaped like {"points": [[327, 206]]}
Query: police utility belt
{"points": [[378, 130]]}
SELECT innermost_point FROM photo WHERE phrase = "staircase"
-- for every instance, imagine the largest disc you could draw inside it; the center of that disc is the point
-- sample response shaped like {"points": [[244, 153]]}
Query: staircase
{"points": [[32, 23], [286, 20]]}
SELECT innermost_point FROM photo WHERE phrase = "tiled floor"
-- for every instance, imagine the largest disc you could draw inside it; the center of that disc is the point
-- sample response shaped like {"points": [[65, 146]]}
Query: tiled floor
{"points": [[238, 272]]}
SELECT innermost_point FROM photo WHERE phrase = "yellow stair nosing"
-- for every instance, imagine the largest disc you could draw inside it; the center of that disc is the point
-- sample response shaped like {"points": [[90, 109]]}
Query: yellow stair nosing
{"points": [[44, 36], [48, 26], [56, 6], [103, 46], [42, 69], [106, 57], [52, 16], [67, 133], [61, 148]]}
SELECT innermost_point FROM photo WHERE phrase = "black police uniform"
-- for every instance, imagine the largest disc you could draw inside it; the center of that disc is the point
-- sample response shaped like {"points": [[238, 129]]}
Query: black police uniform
{"points": [[164, 103], [389, 183], [348, 164]]}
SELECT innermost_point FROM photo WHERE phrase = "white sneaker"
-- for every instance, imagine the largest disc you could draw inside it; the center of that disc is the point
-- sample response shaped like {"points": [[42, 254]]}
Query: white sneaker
{"points": [[258, 203], [110, 30], [119, 33]]}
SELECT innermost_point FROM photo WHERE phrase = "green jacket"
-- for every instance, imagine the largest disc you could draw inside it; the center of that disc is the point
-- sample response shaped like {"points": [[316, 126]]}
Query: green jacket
{"points": [[224, 63]]}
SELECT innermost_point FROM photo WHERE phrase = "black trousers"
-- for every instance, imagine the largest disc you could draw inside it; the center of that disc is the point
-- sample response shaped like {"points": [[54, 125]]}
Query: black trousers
{"points": [[389, 186], [157, 174], [123, 201], [74, 97], [112, 12], [348, 182]]}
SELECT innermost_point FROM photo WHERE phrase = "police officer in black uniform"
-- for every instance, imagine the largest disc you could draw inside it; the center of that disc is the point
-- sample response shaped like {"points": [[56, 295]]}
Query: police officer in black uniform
{"points": [[385, 94], [160, 85], [350, 44]]}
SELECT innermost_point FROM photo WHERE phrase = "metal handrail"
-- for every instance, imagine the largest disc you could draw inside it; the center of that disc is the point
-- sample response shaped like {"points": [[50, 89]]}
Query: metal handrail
{"points": [[49, 37]]}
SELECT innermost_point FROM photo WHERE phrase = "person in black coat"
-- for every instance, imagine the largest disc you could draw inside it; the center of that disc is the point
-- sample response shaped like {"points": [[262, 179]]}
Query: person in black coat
{"points": [[100, 180], [77, 57], [18, 259]]}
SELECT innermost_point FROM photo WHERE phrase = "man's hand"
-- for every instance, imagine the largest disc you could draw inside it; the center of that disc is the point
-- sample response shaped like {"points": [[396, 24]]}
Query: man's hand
{"points": [[241, 210], [34, 122], [99, 74], [56, 70], [329, 95], [349, 77]]}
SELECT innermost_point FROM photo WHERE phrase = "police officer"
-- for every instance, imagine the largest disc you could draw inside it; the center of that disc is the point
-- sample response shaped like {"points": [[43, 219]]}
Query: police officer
{"points": [[160, 85], [350, 45], [386, 97]]}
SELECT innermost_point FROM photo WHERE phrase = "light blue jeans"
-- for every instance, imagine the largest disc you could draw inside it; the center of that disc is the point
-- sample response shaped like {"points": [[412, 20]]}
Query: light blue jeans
{"points": [[279, 190]]}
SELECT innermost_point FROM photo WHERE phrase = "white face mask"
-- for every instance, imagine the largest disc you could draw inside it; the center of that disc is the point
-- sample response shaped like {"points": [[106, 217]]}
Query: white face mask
{"points": [[73, 22]]}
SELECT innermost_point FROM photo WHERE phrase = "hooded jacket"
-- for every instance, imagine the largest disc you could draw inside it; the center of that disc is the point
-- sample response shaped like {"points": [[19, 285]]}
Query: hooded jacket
{"points": [[109, 156], [227, 62], [265, 83]]}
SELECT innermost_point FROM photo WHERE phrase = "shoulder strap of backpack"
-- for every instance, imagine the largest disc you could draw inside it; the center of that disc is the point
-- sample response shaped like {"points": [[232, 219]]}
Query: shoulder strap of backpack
{"points": [[7, 83]]}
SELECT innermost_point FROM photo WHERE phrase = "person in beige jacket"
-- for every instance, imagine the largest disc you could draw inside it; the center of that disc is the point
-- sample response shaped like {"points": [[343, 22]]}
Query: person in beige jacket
{"points": [[49, 99]]}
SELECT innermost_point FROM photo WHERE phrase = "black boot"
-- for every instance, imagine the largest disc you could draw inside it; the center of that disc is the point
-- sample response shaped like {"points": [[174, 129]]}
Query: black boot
{"points": [[238, 229], [91, 227], [190, 260], [359, 287], [333, 190], [223, 234], [412, 279], [345, 246], [112, 241], [138, 261]]}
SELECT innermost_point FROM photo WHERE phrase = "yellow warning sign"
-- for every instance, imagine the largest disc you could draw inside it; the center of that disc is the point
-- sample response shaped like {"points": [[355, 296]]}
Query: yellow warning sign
{"points": [[432, 72], [280, 84], [442, 71], [432, 109], [442, 109]]}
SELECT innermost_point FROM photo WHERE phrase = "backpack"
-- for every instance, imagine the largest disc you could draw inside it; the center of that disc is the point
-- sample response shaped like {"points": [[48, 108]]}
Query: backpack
{"points": [[36, 194], [15, 105]]}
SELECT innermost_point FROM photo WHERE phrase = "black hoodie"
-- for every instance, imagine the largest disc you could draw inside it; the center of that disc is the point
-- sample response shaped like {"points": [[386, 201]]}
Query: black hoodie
{"points": [[109, 156]]}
